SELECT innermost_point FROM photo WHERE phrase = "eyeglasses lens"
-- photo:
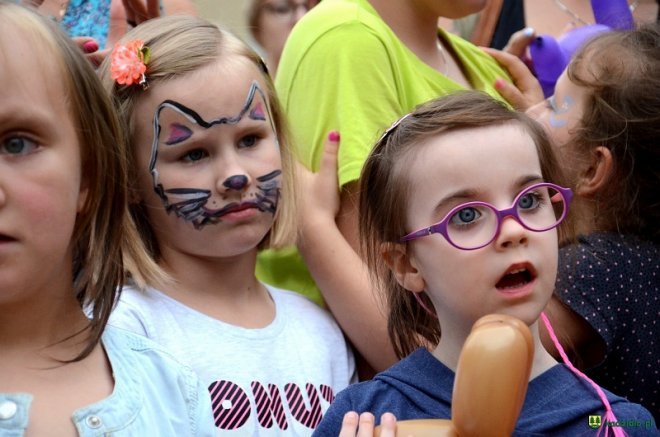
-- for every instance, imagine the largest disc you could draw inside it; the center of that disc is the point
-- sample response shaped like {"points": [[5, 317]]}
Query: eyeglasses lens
{"points": [[539, 208]]}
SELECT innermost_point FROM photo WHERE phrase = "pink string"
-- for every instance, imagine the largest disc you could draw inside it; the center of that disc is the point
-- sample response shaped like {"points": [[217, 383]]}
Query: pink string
{"points": [[423, 305], [609, 414]]}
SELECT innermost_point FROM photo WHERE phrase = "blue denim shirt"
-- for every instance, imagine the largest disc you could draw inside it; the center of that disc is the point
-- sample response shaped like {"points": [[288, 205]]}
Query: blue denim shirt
{"points": [[153, 395]]}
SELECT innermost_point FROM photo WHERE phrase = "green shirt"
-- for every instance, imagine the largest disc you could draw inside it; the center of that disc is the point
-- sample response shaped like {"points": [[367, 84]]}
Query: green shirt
{"points": [[344, 69]]}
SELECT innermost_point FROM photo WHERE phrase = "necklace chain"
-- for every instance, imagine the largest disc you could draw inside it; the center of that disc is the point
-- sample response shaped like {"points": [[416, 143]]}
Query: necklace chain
{"points": [[441, 50], [560, 4]]}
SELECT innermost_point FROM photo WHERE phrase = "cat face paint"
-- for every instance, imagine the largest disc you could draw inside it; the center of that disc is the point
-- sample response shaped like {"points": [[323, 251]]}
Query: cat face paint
{"points": [[557, 118], [185, 145]]}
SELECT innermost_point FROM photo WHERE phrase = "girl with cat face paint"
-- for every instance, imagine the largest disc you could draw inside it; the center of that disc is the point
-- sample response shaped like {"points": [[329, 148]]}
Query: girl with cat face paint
{"points": [[213, 183]]}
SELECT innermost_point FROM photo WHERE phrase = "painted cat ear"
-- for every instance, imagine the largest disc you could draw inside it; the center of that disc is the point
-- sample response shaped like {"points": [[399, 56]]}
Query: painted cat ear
{"points": [[257, 108], [257, 112], [175, 127]]}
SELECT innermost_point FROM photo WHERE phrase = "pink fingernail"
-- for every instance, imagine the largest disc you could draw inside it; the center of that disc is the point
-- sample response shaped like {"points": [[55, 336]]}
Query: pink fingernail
{"points": [[499, 83], [333, 136], [90, 46]]}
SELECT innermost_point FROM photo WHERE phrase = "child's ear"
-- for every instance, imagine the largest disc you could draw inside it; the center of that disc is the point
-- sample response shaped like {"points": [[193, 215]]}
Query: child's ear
{"points": [[597, 174], [403, 267]]}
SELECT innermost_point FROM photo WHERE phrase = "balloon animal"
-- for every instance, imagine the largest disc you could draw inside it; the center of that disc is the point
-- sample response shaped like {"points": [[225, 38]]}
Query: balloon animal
{"points": [[550, 56], [490, 385]]}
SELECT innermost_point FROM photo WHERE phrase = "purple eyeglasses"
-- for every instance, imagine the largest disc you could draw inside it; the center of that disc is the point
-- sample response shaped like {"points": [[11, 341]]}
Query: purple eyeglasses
{"points": [[473, 225]]}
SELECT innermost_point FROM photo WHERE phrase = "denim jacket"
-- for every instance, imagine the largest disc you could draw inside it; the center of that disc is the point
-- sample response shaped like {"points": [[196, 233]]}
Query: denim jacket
{"points": [[153, 395]]}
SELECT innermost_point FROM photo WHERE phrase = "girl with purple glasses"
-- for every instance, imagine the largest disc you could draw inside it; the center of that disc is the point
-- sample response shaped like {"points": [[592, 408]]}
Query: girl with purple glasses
{"points": [[461, 211]]}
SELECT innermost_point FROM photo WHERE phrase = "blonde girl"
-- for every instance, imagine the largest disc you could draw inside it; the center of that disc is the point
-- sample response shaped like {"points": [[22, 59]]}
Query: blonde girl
{"points": [[65, 234], [212, 183]]}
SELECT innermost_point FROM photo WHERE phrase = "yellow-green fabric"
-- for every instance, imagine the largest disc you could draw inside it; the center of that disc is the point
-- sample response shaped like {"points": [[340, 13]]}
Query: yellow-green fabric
{"points": [[344, 69]]}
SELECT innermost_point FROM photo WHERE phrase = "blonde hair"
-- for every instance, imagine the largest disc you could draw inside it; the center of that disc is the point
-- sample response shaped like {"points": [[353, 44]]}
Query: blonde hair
{"points": [[178, 46], [105, 238]]}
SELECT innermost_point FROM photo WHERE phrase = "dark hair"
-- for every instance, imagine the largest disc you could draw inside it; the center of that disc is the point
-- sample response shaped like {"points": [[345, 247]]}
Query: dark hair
{"points": [[384, 190], [621, 72]]}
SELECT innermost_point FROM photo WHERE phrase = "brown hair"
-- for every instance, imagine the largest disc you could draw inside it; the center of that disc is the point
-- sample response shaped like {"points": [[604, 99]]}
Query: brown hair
{"points": [[621, 72], [180, 45], [105, 238], [384, 190]]}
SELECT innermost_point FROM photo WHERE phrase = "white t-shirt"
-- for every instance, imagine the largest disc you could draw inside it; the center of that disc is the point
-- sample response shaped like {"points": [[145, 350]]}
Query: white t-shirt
{"points": [[272, 381]]}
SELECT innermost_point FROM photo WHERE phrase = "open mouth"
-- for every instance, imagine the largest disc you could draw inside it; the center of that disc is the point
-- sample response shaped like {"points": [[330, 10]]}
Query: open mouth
{"points": [[516, 277], [5, 238]]}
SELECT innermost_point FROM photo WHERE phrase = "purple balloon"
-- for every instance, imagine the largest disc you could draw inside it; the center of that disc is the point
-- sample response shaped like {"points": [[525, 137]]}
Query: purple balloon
{"points": [[613, 13], [549, 61], [571, 41], [550, 56]]}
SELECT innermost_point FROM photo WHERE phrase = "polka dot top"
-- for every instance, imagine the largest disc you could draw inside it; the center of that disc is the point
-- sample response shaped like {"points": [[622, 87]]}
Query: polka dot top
{"points": [[613, 282]]}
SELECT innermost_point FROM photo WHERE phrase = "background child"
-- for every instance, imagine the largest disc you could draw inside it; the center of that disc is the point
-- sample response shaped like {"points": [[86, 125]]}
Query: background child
{"points": [[429, 168], [605, 121], [213, 182], [64, 232]]}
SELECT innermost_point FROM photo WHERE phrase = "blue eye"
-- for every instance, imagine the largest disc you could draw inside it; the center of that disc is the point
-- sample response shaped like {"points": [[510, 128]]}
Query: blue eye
{"points": [[465, 216], [528, 201], [17, 146], [194, 155]]}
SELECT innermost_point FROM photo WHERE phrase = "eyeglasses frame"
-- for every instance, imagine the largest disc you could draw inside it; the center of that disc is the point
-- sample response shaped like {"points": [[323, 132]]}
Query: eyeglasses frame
{"points": [[441, 226]]}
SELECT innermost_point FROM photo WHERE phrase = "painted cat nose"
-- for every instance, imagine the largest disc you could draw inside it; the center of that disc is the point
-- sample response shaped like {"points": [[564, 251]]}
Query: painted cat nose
{"points": [[236, 182]]}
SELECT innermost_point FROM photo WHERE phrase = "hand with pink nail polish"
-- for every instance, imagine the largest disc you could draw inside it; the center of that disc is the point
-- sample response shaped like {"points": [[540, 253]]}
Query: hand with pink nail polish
{"points": [[319, 196], [525, 90]]}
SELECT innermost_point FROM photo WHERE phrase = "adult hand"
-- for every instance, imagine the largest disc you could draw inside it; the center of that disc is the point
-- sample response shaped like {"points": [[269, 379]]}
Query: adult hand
{"points": [[363, 426], [319, 192], [519, 41], [525, 91]]}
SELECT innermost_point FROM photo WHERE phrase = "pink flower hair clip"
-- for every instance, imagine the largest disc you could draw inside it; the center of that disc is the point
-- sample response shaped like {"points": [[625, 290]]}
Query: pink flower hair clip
{"points": [[129, 63]]}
